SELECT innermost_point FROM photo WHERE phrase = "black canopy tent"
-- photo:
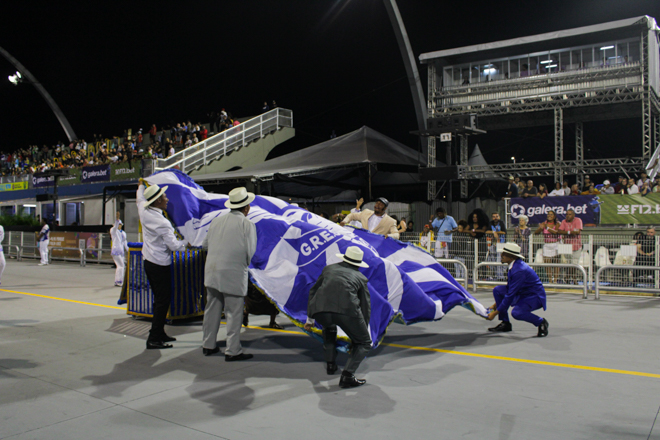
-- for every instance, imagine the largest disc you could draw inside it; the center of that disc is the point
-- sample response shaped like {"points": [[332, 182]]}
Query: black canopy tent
{"points": [[363, 160]]}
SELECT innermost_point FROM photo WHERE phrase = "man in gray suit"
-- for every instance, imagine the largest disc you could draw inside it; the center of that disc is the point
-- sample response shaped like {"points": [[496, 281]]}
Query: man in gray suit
{"points": [[231, 243], [341, 298]]}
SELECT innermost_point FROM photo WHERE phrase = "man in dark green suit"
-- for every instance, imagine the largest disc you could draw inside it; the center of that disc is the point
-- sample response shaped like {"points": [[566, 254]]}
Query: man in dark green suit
{"points": [[341, 298]]}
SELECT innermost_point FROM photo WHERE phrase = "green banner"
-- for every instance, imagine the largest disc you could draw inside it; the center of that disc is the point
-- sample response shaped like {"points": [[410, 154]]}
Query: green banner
{"points": [[72, 179], [122, 171], [634, 209]]}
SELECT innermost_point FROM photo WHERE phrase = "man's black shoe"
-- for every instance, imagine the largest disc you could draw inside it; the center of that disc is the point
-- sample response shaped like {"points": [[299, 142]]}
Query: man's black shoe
{"points": [[543, 328], [245, 319], [157, 345], [349, 380], [238, 357], [331, 367], [168, 339], [210, 351], [503, 326]]}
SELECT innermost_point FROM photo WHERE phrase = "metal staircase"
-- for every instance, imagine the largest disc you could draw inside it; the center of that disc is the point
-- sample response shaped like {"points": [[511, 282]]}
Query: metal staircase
{"points": [[214, 148]]}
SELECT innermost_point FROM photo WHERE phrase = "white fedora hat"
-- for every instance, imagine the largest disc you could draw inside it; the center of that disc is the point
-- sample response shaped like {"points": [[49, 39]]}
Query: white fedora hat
{"points": [[238, 198], [153, 193], [354, 256], [512, 249]]}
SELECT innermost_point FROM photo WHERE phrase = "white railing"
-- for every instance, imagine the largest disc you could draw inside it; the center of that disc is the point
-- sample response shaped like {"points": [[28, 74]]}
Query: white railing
{"points": [[203, 153]]}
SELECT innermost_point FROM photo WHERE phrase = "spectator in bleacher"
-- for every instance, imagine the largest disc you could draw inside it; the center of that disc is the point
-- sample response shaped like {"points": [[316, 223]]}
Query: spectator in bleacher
{"points": [[512, 188], [643, 178], [530, 190], [590, 190], [575, 190], [543, 191], [498, 233], [444, 226], [656, 185], [411, 226], [521, 186], [274, 105], [572, 227], [566, 188], [522, 233], [558, 191], [645, 189], [632, 188], [265, 108], [607, 188], [587, 182], [426, 237], [622, 186], [646, 248], [550, 251], [402, 226], [203, 133]]}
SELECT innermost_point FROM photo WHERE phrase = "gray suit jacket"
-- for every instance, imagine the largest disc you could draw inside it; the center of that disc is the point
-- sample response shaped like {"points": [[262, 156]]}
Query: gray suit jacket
{"points": [[341, 288], [231, 243]]}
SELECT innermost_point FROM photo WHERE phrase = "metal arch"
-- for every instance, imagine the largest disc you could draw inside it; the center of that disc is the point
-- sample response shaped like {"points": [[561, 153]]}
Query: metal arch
{"points": [[49, 99]]}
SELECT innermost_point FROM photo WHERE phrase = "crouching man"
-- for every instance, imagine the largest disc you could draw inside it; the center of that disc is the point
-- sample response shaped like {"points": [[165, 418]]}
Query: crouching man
{"points": [[341, 298], [523, 291]]}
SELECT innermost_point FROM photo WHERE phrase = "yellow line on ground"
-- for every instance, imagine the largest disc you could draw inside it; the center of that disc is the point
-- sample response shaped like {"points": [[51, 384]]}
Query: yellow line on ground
{"points": [[63, 299], [526, 361], [410, 347]]}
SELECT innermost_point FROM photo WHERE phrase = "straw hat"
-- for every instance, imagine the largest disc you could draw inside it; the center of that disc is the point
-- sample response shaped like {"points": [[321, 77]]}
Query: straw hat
{"points": [[238, 198], [353, 256], [153, 193]]}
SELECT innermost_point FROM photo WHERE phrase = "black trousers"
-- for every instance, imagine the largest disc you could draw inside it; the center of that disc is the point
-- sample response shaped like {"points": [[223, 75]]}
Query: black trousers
{"points": [[355, 328], [160, 280]]}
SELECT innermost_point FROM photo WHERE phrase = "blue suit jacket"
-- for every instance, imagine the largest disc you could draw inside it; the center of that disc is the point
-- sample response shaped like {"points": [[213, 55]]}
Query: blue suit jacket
{"points": [[523, 285]]}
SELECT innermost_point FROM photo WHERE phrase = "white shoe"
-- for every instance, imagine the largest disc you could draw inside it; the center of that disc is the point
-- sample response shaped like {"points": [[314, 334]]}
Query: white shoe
{"points": [[42, 264]]}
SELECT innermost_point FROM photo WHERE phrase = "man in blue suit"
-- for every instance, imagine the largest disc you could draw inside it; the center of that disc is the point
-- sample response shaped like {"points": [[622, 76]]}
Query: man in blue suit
{"points": [[523, 291]]}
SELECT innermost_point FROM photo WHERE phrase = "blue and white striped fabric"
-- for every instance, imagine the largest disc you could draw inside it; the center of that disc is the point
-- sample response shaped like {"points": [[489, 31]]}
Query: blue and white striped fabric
{"points": [[294, 245]]}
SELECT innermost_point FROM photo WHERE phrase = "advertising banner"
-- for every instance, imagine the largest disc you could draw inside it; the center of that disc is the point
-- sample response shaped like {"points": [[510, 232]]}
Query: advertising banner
{"points": [[72, 179], [631, 209], [64, 239], [98, 173], [587, 208], [39, 181], [124, 171], [14, 186]]}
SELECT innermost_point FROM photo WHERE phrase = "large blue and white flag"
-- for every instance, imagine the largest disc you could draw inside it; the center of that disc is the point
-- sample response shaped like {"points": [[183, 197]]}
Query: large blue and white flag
{"points": [[294, 245]]}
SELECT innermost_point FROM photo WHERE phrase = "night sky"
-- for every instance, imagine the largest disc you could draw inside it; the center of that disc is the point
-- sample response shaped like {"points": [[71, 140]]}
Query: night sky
{"points": [[336, 64]]}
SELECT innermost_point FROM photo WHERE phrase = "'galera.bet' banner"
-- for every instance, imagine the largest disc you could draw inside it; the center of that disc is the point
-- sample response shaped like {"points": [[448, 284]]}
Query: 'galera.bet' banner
{"points": [[631, 209], [586, 208], [98, 173]]}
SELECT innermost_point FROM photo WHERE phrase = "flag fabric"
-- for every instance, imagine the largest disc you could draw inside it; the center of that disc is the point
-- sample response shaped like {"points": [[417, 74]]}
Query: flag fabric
{"points": [[294, 245]]}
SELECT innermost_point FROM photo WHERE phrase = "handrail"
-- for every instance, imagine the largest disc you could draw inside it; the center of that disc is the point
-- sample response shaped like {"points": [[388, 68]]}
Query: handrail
{"points": [[227, 141], [18, 251], [83, 260], [636, 289], [585, 283], [465, 269]]}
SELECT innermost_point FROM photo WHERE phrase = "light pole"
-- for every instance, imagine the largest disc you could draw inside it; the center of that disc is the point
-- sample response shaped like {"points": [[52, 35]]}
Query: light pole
{"points": [[18, 78], [513, 159]]}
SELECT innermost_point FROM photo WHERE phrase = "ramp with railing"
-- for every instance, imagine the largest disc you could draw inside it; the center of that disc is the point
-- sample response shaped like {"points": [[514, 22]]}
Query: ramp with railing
{"points": [[220, 145]]}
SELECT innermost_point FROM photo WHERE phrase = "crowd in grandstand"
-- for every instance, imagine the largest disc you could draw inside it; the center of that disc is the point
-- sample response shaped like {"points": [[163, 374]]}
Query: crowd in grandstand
{"points": [[130, 146], [642, 185]]}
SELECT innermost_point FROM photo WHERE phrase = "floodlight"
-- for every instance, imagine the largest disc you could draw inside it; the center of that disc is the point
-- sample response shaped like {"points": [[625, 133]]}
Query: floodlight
{"points": [[551, 65], [546, 61], [606, 47]]}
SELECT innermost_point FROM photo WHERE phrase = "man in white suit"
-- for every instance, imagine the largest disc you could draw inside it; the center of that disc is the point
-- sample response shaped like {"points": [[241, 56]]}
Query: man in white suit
{"points": [[231, 243], [376, 221]]}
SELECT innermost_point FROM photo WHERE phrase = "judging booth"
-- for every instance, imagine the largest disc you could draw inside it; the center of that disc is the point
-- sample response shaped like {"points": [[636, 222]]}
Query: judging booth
{"points": [[188, 294]]}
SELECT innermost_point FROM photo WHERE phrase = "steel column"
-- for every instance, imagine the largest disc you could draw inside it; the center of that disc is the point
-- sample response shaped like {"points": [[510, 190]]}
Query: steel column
{"points": [[559, 144], [463, 160], [646, 97], [579, 153], [430, 194]]}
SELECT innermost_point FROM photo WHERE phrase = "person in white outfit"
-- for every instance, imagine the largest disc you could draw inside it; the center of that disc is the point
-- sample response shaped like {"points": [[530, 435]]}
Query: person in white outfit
{"points": [[119, 249], [2, 254], [43, 242]]}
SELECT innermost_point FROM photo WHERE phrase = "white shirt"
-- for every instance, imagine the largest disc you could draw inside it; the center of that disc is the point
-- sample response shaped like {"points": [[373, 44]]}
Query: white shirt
{"points": [[567, 191], [633, 189], [557, 192], [44, 233], [119, 242], [157, 233], [374, 221]]}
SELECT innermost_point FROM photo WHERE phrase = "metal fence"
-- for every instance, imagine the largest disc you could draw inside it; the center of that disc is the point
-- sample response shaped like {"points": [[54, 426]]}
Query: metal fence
{"points": [[567, 262], [20, 244]]}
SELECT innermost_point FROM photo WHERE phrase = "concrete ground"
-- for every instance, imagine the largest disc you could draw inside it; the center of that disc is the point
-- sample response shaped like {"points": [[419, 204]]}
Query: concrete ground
{"points": [[73, 365]]}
